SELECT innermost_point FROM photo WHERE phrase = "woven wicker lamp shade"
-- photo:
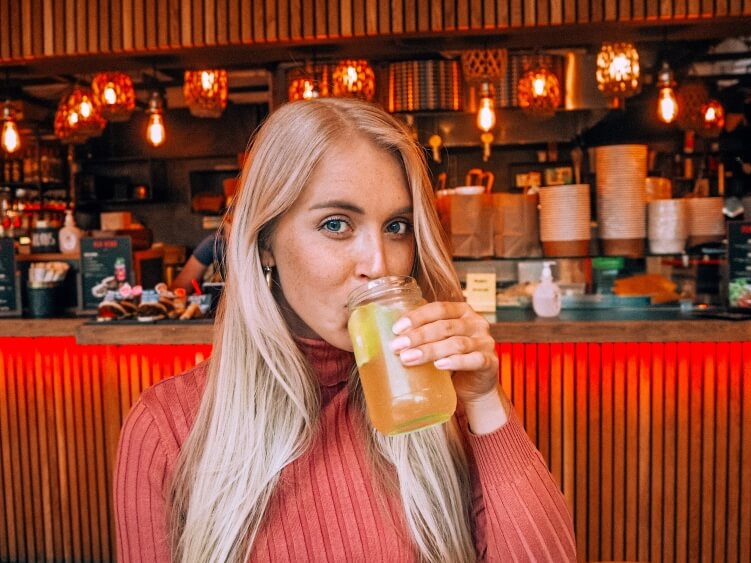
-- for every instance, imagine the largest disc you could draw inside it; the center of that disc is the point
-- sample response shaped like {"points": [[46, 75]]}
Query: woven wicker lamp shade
{"points": [[484, 64]]}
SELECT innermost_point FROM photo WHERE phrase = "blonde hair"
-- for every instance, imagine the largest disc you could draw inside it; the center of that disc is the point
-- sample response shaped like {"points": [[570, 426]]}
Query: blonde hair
{"points": [[261, 403]]}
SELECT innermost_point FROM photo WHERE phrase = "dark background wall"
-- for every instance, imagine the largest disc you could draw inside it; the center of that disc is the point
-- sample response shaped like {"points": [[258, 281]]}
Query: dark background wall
{"points": [[122, 156]]}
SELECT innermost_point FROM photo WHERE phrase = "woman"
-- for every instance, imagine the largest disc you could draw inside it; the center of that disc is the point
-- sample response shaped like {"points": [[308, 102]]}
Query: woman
{"points": [[265, 452]]}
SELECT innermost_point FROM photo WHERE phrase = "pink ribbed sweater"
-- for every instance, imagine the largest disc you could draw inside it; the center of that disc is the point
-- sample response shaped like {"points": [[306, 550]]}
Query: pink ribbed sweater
{"points": [[325, 507]]}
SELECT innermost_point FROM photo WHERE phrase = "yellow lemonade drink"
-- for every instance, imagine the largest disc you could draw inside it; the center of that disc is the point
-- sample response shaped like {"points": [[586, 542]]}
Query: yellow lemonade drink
{"points": [[399, 398]]}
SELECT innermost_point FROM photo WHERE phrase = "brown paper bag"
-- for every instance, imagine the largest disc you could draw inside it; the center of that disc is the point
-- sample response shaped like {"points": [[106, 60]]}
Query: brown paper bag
{"points": [[516, 225], [471, 224]]}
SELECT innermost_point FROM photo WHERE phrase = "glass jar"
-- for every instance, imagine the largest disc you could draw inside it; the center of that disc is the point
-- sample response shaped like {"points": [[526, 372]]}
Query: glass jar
{"points": [[399, 398]]}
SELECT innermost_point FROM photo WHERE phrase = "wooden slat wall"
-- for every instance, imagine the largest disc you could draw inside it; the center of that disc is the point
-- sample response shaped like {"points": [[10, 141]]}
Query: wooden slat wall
{"points": [[650, 442], [660, 465], [31, 29], [61, 408]]}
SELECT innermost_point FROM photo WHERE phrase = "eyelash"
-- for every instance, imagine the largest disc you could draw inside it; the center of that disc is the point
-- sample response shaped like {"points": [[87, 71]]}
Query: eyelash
{"points": [[332, 220], [327, 221], [407, 226]]}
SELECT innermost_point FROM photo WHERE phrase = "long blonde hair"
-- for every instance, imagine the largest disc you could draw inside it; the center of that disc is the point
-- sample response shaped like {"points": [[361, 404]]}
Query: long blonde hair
{"points": [[261, 403]]}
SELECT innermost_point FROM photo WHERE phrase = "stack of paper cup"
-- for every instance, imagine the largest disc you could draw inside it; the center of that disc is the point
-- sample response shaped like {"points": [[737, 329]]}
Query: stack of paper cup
{"points": [[706, 222], [621, 207], [656, 187], [564, 220], [668, 226]]}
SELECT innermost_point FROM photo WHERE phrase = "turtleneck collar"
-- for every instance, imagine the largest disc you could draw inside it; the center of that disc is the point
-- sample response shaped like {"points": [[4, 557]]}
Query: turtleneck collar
{"points": [[331, 365]]}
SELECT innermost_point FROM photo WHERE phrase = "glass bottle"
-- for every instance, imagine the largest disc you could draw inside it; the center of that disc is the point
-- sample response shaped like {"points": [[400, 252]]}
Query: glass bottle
{"points": [[399, 398]]}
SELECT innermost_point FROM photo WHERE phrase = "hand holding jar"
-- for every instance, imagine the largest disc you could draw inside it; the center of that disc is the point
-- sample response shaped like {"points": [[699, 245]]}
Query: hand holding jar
{"points": [[390, 322], [454, 337]]}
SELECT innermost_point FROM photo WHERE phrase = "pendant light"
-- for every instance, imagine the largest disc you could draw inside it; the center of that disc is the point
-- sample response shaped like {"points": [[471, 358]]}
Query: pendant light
{"points": [[667, 102], [205, 92], [77, 117], [11, 139], [354, 78], [618, 71], [483, 66], [539, 92], [486, 118], [155, 131], [309, 82], [114, 95], [714, 118]]}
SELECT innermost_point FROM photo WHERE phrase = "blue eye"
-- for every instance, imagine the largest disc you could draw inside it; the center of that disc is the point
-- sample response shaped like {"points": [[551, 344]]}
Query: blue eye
{"points": [[334, 225], [398, 227]]}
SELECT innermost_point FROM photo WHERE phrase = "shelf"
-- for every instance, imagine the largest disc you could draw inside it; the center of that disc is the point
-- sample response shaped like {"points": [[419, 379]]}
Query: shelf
{"points": [[553, 258], [99, 202], [35, 185]]}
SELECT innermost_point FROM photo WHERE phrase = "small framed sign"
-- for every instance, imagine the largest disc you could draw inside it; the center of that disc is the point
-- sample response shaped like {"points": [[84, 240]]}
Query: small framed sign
{"points": [[10, 281], [106, 263], [481, 291], [739, 265]]}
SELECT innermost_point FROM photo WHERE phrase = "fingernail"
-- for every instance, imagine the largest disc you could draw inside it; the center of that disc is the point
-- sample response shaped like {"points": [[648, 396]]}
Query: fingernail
{"points": [[443, 363], [400, 343], [411, 355], [401, 325]]}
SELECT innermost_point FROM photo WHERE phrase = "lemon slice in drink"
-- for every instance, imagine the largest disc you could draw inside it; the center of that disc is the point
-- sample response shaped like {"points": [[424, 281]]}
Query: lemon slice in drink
{"points": [[366, 326]]}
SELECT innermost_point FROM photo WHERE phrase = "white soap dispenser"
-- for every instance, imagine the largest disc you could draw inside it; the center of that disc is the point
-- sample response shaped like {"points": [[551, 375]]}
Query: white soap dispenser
{"points": [[546, 299], [70, 235]]}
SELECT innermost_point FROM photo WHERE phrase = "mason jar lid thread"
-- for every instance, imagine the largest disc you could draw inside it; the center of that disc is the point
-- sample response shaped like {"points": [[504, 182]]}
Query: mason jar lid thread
{"points": [[384, 289]]}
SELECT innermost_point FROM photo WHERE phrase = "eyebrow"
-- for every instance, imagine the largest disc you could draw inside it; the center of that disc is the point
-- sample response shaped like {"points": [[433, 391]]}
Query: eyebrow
{"points": [[341, 204]]}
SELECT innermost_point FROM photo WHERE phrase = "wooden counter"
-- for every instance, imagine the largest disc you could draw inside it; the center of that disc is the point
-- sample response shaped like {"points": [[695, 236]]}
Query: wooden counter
{"points": [[679, 330], [644, 424], [513, 327]]}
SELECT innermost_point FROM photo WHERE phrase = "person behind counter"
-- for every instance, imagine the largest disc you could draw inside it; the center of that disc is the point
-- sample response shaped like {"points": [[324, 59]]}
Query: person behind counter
{"points": [[265, 451], [210, 251]]}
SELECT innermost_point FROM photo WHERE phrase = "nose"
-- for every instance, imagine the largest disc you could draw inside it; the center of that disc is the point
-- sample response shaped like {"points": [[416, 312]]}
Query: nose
{"points": [[370, 258]]}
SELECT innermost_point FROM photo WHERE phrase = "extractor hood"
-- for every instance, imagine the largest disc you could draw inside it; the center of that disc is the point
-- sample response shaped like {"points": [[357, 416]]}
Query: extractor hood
{"points": [[583, 107]]}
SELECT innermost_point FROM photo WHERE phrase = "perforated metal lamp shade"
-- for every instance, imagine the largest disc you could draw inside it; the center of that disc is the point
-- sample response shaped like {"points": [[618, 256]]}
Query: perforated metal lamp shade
{"points": [[206, 92], [310, 82], [77, 117], [539, 92], [114, 95], [354, 78], [618, 70]]}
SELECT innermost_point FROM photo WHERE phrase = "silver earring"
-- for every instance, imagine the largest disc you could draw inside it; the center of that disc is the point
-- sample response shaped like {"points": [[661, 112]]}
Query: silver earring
{"points": [[267, 273]]}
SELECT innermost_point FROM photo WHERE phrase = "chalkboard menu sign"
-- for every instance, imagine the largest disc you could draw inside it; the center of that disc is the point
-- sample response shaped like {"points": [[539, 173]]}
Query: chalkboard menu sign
{"points": [[739, 264], [106, 263], [9, 290]]}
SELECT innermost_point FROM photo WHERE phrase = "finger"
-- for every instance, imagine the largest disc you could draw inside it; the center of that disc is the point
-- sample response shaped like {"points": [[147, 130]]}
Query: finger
{"points": [[428, 313], [456, 345], [473, 362], [472, 326]]}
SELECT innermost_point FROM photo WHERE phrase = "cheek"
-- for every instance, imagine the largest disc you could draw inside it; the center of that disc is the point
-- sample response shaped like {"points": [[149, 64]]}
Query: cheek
{"points": [[401, 258], [307, 276]]}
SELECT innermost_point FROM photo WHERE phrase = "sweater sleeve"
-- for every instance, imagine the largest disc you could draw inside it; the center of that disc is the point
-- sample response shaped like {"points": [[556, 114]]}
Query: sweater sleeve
{"points": [[139, 491], [520, 513]]}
